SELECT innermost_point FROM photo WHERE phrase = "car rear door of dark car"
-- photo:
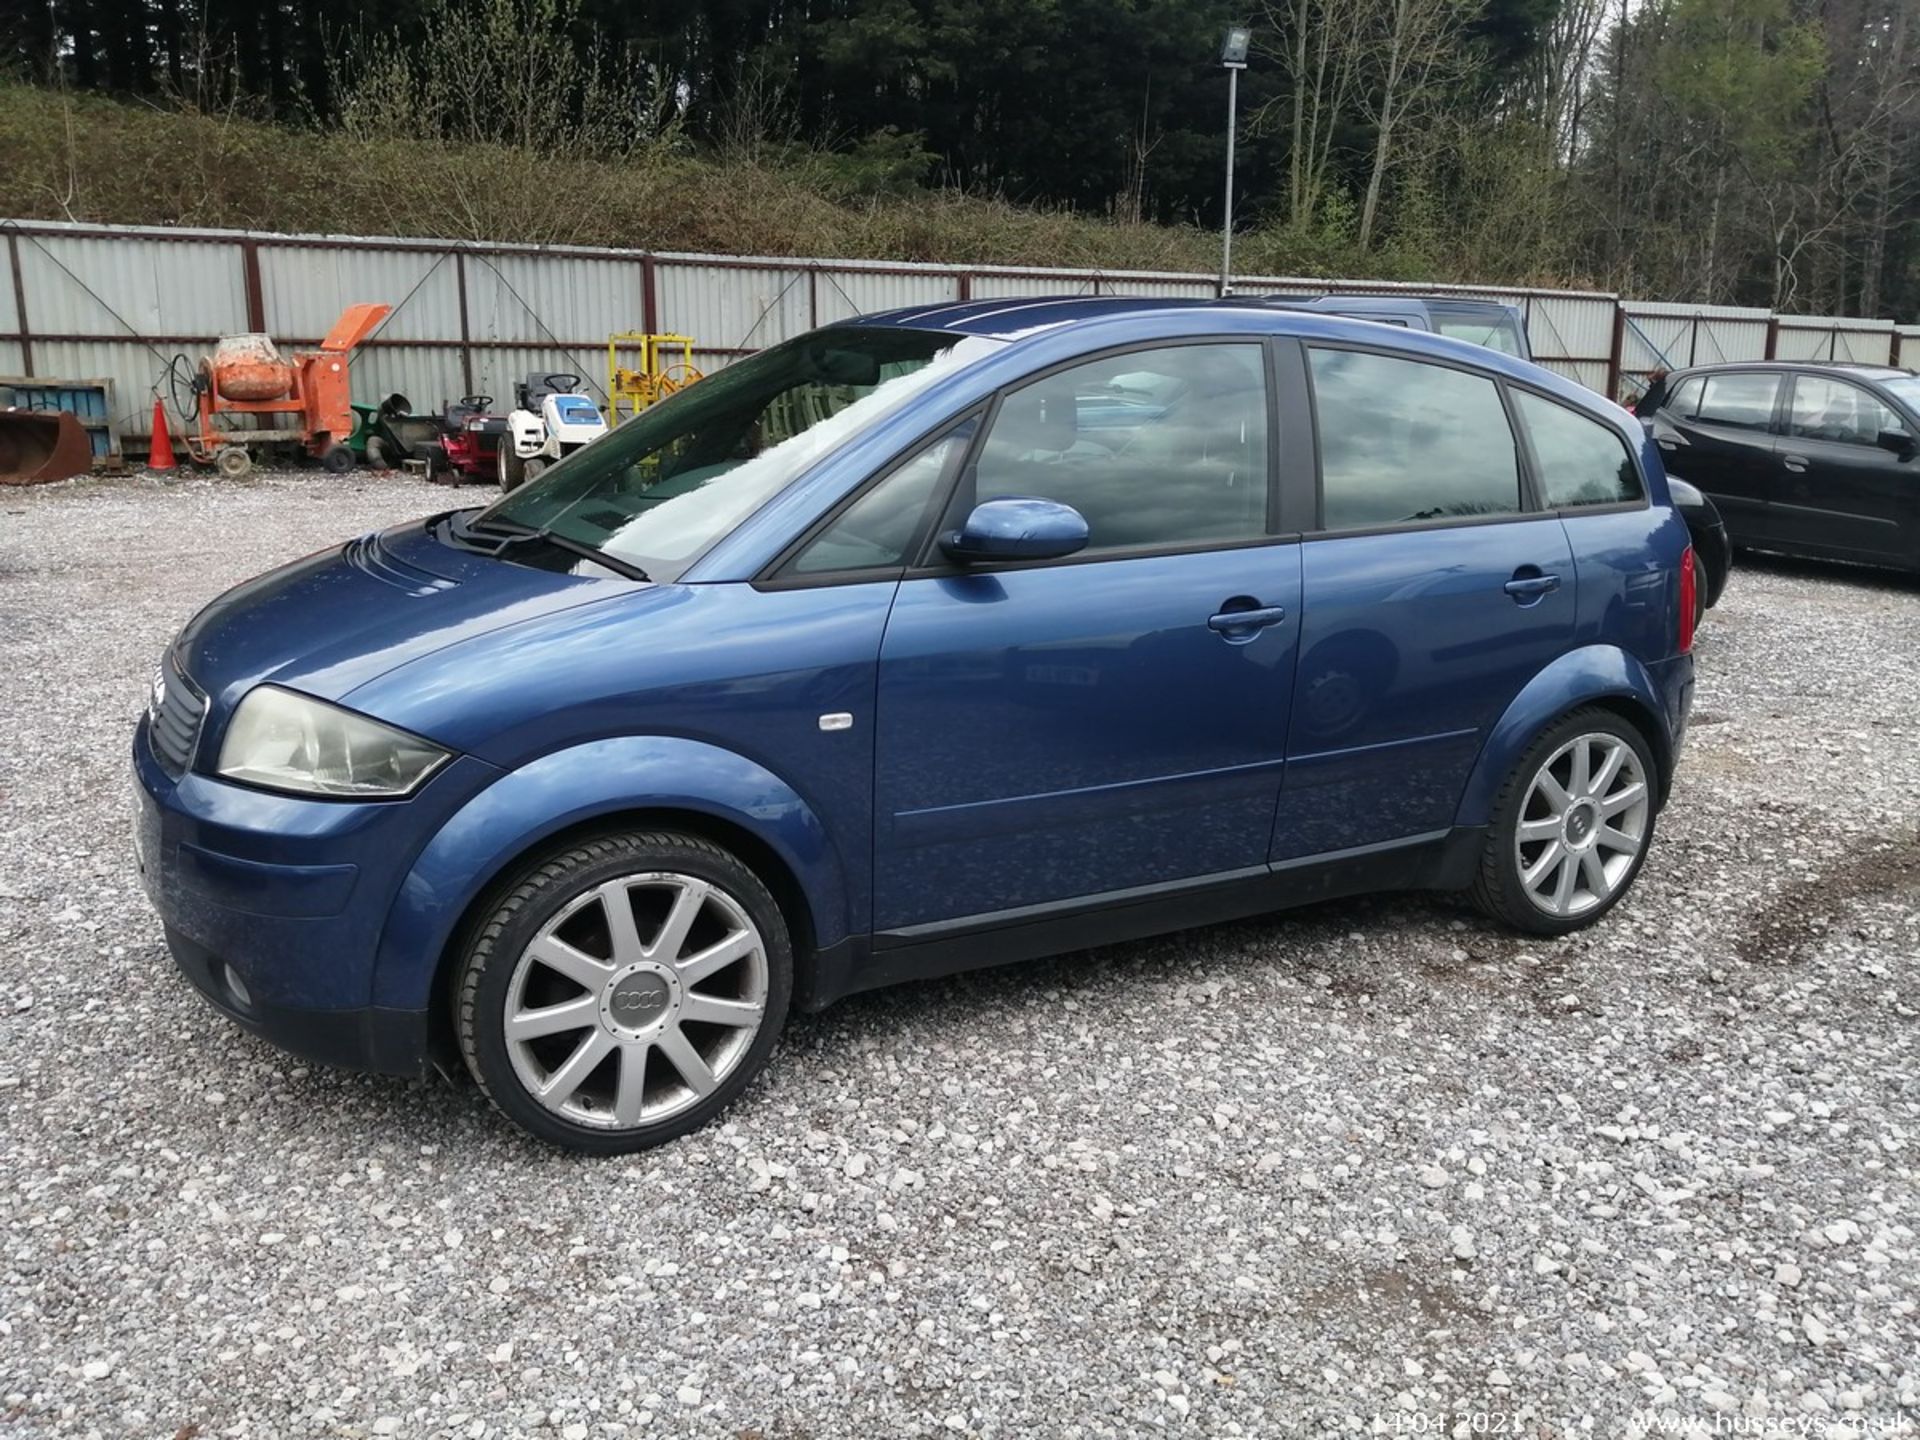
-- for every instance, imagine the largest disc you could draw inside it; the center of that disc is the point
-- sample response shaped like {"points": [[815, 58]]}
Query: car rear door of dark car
{"points": [[1717, 431]]}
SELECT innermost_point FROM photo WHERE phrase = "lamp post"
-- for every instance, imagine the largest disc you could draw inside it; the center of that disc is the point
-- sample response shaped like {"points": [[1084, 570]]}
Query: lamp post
{"points": [[1233, 55]]}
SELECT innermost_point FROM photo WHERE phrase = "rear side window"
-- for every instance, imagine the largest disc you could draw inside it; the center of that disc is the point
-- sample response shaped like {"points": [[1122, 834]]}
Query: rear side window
{"points": [[1742, 401], [1402, 441], [1581, 461]]}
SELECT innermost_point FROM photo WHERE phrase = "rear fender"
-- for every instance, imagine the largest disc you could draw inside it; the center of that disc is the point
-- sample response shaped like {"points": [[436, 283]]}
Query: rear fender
{"points": [[569, 788], [1603, 674]]}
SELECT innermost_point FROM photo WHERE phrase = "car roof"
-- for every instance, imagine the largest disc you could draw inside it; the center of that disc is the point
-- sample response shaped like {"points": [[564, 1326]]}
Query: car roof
{"points": [[1858, 369], [1012, 316], [1023, 318]]}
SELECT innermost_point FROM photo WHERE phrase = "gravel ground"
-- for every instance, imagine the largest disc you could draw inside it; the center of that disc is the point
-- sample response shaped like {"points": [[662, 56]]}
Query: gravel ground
{"points": [[1372, 1167]]}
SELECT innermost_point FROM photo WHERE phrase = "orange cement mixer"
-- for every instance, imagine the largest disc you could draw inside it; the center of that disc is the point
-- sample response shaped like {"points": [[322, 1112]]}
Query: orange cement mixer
{"points": [[246, 396]]}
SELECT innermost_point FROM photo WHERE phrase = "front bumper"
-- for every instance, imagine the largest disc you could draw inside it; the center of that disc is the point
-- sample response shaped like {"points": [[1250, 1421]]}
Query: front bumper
{"points": [[387, 1042], [273, 906]]}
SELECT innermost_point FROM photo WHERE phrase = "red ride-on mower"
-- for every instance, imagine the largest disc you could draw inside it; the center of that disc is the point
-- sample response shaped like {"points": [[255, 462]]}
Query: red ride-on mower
{"points": [[469, 442]]}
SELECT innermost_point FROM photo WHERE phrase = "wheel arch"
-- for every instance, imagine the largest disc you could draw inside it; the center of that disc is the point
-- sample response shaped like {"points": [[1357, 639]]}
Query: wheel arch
{"points": [[1602, 676], [593, 789]]}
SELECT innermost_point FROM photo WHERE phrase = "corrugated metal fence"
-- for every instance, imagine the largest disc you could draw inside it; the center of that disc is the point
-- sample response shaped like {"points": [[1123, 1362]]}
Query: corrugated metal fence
{"points": [[118, 302]]}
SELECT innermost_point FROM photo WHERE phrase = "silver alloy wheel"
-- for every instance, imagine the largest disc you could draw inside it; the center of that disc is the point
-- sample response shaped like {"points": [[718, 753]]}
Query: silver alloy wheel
{"points": [[1582, 825], [636, 1000]]}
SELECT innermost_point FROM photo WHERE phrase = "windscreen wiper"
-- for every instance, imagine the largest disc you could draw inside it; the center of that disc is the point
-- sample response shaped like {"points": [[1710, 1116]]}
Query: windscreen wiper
{"points": [[509, 533]]}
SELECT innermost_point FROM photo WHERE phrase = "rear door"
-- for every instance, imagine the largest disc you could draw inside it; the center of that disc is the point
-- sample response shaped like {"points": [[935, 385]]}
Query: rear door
{"points": [[1584, 471], [1724, 443], [1431, 593], [1840, 489]]}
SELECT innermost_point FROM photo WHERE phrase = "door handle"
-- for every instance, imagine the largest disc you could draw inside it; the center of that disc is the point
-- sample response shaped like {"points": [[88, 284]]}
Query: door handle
{"points": [[1237, 622], [1531, 587], [1796, 463]]}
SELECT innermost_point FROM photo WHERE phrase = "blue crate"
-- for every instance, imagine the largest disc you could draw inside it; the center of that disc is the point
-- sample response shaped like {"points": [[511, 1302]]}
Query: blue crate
{"points": [[90, 401]]}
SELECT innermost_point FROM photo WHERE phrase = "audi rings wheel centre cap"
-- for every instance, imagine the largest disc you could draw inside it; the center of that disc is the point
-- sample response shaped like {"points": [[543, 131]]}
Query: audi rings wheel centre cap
{"points": [[639, 999], [1580, 826]]}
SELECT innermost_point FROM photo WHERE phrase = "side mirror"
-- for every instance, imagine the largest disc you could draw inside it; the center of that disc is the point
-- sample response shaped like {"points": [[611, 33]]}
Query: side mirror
{"points": [[1016, 528], [1898, 441]]}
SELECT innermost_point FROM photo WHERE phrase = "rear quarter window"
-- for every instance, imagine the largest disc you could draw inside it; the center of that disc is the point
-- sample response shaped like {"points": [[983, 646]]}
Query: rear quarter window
{"points": [[1685, 400], [1580, 461]]}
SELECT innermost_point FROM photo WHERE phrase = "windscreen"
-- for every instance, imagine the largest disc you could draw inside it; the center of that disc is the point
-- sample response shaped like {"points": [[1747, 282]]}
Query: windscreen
{"points": [[1905, 389], [659, 490]]}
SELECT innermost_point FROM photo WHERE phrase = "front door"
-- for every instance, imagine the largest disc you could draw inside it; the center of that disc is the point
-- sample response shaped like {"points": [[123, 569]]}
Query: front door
{"points": [[1060, 730], [1841, 490]]}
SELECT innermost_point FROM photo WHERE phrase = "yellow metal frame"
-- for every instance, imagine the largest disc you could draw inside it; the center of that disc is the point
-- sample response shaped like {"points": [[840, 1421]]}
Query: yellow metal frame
{"points": [[658, 375]]}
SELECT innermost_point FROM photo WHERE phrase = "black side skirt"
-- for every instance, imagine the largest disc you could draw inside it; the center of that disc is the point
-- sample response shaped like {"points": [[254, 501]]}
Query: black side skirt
{"points": [[1442, 860]]}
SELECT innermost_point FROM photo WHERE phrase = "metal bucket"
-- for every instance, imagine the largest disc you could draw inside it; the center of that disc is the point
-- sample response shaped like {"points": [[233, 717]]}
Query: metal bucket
{"points": [[41, 445]]}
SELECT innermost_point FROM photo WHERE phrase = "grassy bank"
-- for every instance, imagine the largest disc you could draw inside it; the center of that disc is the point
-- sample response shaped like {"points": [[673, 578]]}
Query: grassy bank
{"points": [[91, 159]]}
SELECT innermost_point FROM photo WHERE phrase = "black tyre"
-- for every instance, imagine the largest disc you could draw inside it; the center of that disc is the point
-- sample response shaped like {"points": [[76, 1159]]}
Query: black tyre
{"points": [[1700, 585], [509, 467], [624, 991], [337, 460], [376, 453], [1571, 825]]}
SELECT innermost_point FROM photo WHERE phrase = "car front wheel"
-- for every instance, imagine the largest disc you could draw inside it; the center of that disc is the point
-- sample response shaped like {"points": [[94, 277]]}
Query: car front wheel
{"points": [[624, 991], [1571, 826]]}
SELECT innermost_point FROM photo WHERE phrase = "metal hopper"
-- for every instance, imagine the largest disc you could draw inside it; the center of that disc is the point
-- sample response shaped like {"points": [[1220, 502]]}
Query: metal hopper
{"points": [[41, 445]]}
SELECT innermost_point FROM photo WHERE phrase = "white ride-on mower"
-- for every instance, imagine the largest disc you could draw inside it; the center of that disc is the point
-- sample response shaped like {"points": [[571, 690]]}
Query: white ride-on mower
{"points": [[550, 418]]}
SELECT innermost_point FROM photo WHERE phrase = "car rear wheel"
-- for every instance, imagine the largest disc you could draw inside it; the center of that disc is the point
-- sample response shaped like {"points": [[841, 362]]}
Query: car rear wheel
{"points": [[1571, 826], [624, 991]]}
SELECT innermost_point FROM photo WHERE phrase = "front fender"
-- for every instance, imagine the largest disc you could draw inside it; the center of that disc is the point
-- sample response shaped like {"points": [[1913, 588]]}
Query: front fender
{"points": [[578, 785], [1579, 677]]}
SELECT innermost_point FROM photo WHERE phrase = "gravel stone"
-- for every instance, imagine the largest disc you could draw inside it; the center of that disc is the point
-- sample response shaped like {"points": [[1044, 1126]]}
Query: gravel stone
{"points": [[1172, 1185]]}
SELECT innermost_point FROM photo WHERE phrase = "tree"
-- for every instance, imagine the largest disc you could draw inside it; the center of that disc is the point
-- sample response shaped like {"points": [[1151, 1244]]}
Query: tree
{"points": [[1419, 55]]}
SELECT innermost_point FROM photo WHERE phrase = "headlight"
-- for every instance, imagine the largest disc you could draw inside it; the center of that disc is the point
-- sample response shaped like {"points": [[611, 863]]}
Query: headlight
{"points": [[286, 741]]}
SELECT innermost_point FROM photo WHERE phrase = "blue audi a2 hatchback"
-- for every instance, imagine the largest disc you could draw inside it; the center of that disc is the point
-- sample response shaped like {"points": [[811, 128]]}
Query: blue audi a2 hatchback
{"points": [[937, 639]]}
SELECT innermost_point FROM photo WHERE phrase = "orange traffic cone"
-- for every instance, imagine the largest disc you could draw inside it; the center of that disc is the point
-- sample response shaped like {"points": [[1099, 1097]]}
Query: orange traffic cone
{"points": [[160, 452]]}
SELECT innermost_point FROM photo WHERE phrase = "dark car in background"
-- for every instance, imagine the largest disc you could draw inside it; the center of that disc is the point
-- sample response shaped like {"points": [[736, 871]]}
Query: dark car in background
{"points": [[1806, 459]]}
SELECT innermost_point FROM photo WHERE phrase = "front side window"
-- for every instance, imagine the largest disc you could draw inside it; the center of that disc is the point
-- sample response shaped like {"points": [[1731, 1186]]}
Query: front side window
{"points": [[1404, 441], [1834, 410], [1581, 461], [1153, 447], [1744, 402], [663, 487]]}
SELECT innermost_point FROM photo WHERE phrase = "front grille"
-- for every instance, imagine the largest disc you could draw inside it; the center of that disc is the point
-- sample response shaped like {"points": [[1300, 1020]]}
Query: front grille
{"points": [[175, 709]]}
